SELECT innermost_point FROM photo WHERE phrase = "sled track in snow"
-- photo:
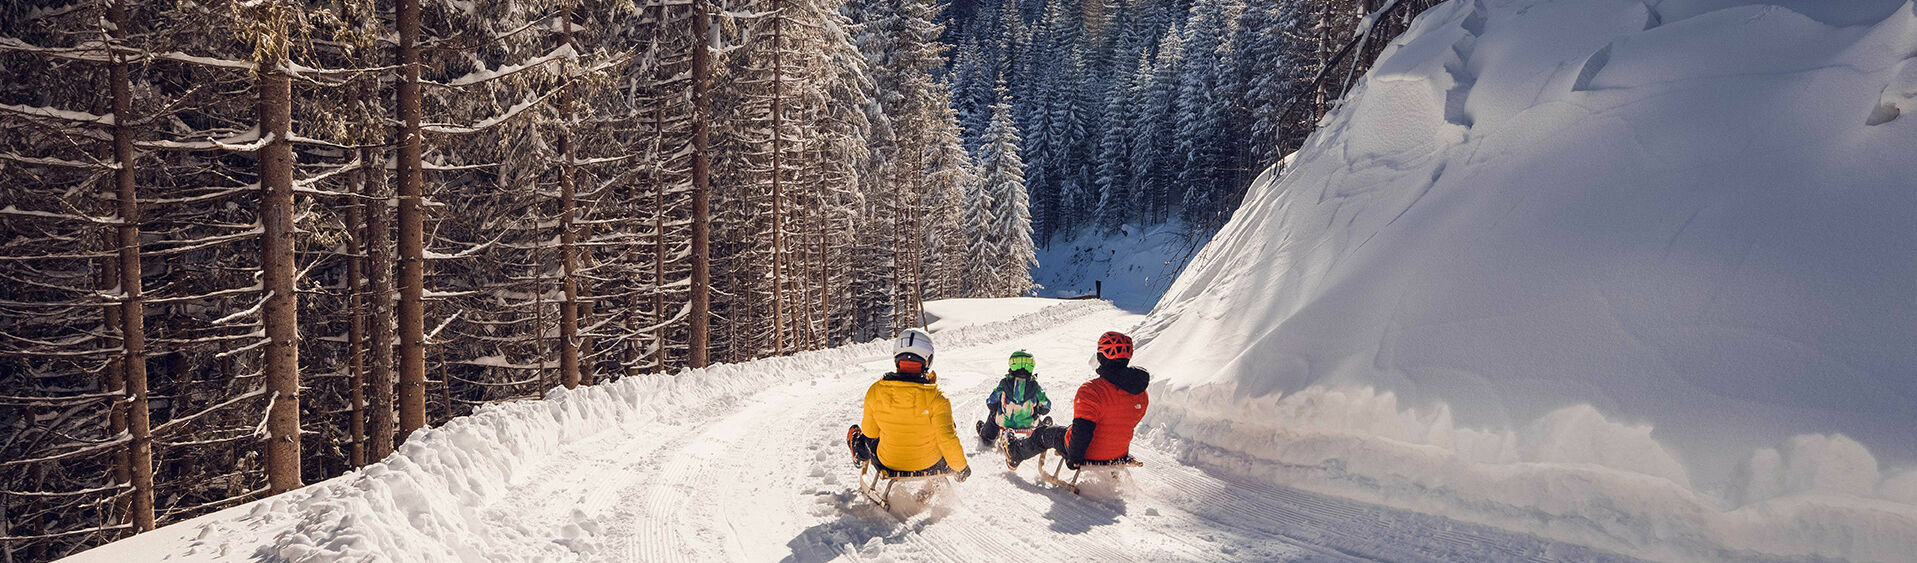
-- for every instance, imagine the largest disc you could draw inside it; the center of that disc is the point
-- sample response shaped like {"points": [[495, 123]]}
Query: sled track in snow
{"points": [[1347, 527]]}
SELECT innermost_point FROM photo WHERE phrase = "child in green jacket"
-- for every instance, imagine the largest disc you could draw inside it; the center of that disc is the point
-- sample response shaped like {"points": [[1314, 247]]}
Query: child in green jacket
{"points": [[1017, 402]]}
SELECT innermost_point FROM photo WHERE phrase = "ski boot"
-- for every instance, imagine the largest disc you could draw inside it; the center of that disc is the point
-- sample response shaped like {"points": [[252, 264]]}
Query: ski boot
{"points": [[1014, 452], [853, 437]]}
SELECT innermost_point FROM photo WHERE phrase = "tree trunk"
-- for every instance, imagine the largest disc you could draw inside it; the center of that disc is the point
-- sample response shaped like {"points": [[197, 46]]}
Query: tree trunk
{"points": [[701, 183], [132, 306], [778, 204], [568, 283], [280, 313], [659, 192], [113, 372], [122, 471], [356, 327], [412, 229], [379, 291], [825, 256]]}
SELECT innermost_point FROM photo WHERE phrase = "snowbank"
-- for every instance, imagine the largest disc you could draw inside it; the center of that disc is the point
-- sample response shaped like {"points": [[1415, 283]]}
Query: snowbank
{"points": [[423, 503], [1136, 265], [1637, 275], [947, 314]]}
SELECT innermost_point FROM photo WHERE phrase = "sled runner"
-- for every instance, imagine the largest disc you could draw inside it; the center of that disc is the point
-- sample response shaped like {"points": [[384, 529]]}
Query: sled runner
{"points": [[882, 495], [1116, 465]]}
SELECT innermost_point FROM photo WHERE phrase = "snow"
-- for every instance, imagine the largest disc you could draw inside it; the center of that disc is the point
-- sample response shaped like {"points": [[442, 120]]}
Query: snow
{"points": [[947, 314], [748, 462], [564, 51], [57, 113], [1136, 265], [1627, 276]]}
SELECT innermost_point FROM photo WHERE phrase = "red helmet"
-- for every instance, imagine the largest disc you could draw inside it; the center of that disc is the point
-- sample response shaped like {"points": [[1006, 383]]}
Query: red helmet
{"points": [[1115, 346]]}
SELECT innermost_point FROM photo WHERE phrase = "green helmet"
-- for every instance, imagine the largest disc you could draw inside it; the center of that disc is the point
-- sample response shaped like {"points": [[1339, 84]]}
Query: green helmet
{"points": [[1022, 360]]}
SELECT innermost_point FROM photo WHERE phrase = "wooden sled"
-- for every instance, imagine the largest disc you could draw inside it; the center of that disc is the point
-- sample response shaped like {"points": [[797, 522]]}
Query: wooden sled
{"points": [[882, 496], [1120, 464]]}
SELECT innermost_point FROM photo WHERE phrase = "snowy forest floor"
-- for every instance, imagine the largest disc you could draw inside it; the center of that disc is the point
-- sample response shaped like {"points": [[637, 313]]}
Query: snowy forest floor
{"points": [[749, 463]]}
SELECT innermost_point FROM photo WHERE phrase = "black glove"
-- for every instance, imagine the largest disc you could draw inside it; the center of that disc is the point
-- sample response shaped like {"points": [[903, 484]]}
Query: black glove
{"points": [[1082, 431], [963, 474], [1043, 410]]}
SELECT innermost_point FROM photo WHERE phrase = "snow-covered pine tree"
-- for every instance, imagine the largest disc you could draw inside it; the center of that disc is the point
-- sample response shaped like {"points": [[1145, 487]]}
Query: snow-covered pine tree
{"points": [[973, 80], [1074, 146], [899, 40], [658, 317], [1203, 117], [1006, 246], [1114, 170], [843, 154], [1267, 75], [980, 261], [1154, 167], [499, 307], [946, 243]]}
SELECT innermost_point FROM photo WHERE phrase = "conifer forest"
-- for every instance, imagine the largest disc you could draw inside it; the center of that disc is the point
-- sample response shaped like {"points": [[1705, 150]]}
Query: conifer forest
{"points": [[248, 245]]}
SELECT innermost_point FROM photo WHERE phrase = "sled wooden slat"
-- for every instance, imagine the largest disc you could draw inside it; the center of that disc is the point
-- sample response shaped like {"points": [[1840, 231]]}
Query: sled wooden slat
{"points": [[1072, 485], [883, 496]]}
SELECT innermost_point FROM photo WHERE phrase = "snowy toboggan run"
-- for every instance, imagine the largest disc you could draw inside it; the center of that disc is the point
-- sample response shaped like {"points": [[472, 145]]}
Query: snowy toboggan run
{"points": [[748, 462]]}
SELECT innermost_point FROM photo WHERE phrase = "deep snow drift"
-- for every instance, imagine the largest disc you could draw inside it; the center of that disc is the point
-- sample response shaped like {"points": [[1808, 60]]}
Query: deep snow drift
{"points": [[1633, 274]]}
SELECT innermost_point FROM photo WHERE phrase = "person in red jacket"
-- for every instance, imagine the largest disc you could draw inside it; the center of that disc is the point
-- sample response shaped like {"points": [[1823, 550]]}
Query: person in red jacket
{"points": [[1104, 412]]}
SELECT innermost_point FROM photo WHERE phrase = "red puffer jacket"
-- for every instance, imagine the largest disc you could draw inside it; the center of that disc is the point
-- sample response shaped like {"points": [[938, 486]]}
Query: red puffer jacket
{"points": [[1106, 410]]}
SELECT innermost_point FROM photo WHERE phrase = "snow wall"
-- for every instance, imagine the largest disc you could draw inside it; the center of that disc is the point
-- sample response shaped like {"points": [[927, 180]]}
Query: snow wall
{"points": [[1636, 275]]}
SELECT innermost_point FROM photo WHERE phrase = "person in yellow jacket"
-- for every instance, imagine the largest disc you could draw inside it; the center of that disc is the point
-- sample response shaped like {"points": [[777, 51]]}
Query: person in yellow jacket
{"points": [[908, 424]]}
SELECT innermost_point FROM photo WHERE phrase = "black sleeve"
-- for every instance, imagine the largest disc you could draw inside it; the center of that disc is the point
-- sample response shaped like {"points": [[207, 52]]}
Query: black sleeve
{"points": [[1081, 438]]}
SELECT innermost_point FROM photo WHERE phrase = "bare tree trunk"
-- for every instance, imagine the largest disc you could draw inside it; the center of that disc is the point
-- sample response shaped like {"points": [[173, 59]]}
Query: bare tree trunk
{"points": [[132, 305], [659, 234], [379, 322], [778, 205], [281, 310], [122, 471], [701, 185], [659, 191], [803, 274], [356, 327], [911, 309], [568, 283], [412, 229], [825, 256], [113, 372]]}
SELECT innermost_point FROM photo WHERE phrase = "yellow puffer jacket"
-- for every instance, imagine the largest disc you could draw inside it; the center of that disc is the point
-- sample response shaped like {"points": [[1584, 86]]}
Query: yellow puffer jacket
{"points": [[913, 423]]}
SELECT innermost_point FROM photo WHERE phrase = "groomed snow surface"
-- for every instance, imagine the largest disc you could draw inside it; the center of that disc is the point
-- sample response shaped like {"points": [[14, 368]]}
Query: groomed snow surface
{"points": [[1638, 275], [748, 462]]}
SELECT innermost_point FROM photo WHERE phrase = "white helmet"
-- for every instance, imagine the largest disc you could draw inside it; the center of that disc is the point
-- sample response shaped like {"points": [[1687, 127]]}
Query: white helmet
{"points": [[913, 341]]}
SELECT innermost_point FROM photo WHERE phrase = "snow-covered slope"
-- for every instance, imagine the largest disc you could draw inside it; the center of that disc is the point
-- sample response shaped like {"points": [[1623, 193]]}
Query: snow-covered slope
{"points": [[1638, 274], [1136, 265]]}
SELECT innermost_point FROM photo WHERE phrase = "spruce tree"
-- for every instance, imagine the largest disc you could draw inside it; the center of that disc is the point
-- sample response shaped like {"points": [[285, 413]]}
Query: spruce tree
{"points": [[1266, 74], [1153, 166], [1007, 243], [1203, 115], [1114, 179]]}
